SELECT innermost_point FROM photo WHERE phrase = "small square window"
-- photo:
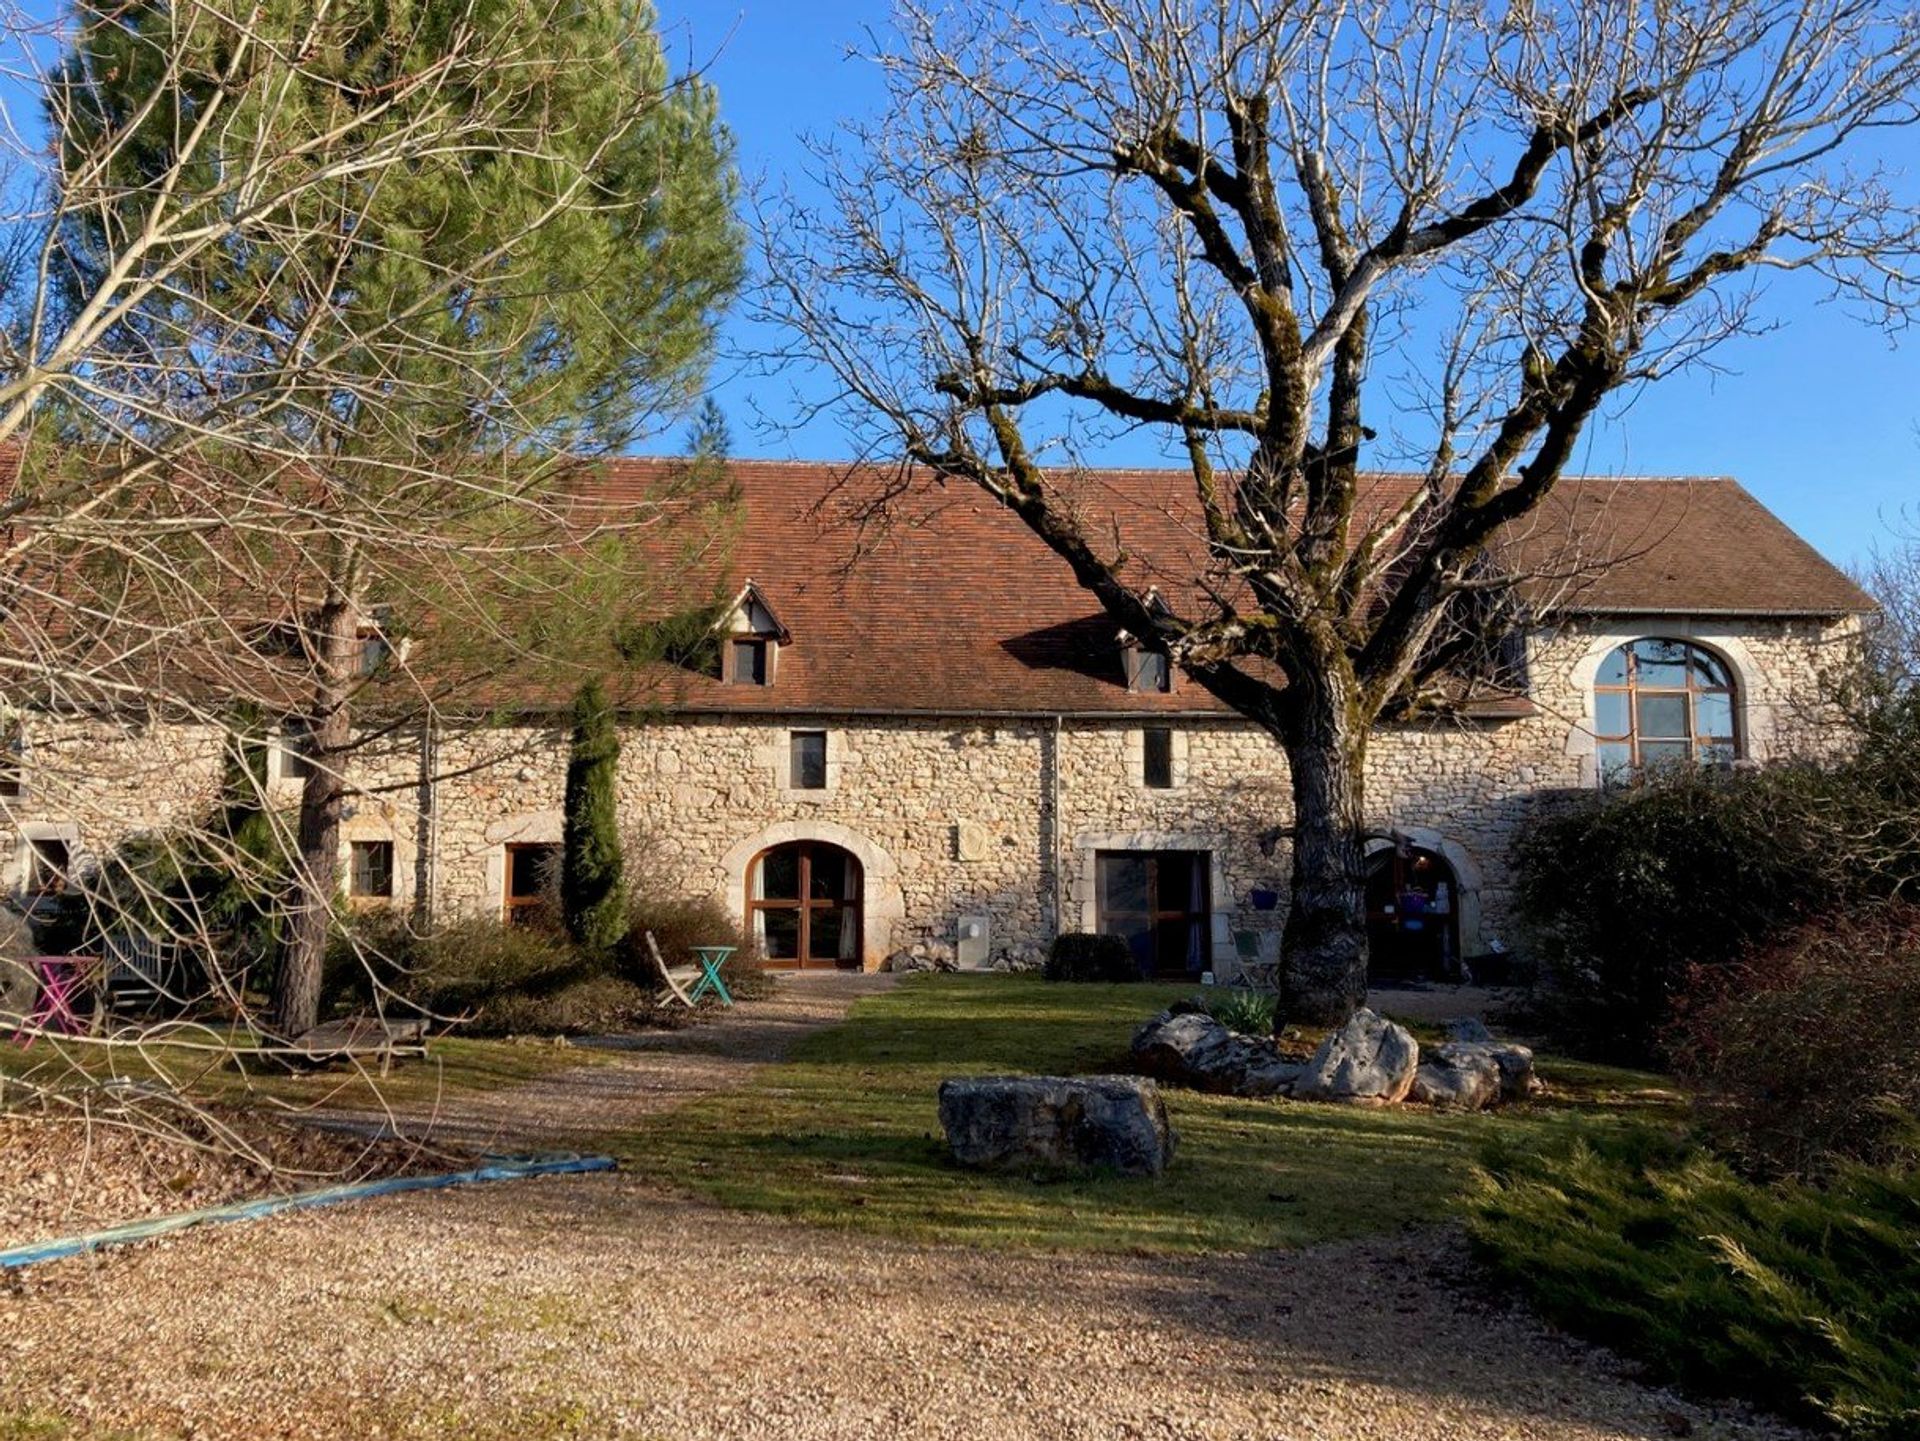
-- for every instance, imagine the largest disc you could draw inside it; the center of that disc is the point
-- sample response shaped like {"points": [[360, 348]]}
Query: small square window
{"points": [[747, 662], [372, 869], [1148, 670], [1156, 758], [807, 753]]}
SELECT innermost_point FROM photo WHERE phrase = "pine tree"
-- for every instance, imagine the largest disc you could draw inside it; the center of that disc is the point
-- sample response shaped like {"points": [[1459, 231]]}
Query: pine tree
{"points": [[530, 283], [592, 897]]}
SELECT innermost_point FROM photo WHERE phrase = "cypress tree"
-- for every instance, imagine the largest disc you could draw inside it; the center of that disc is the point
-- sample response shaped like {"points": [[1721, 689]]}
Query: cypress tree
{"points": [[592, 897]]}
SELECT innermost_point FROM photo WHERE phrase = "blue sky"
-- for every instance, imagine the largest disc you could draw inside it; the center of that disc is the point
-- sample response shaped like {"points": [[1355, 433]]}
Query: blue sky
{"points": [[1820, 418]]}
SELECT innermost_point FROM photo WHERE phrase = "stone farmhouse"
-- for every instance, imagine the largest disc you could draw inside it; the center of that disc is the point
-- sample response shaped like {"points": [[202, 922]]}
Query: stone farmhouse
{"points": [[922, 743]]}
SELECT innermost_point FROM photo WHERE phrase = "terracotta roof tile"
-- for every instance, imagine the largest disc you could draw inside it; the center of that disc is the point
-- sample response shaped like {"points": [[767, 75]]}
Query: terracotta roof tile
{"points": [[953, 606]]}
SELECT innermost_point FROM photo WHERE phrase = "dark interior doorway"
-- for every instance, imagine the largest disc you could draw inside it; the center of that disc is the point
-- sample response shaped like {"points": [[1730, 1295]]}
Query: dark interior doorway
{"points": [[1413, 915], [1158, 902]]}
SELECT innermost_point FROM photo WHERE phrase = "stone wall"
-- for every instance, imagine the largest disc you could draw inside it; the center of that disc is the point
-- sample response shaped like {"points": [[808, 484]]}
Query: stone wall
{"points": [[997, 823]]}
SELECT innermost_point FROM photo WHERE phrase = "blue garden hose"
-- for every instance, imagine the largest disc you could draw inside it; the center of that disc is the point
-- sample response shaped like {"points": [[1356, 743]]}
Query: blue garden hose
{"points": [[501, 1168]]}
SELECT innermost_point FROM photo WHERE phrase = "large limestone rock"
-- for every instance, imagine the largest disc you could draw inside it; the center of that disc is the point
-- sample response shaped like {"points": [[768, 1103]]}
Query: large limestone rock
{"points": [[1195, 1050], [1467, 1075], [1367, 1062], [1116, 1123]]}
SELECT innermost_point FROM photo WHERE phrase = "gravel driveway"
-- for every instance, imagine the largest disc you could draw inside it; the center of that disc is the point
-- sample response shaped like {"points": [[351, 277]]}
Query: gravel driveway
{"points": [[593, 1306], [599, 1306], [653, 1071]]}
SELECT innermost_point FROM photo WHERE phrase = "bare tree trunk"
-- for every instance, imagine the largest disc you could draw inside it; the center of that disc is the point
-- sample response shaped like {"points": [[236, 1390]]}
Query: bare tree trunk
{"points": [[296, 999], [1324, 947]]}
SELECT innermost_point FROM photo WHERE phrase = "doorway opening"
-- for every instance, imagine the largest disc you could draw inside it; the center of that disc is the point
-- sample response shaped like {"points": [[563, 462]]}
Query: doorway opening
{"points": [[1413, 915], [1158, 902]]}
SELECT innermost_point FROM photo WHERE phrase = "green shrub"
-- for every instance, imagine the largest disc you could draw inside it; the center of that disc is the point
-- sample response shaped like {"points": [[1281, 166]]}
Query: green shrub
{"points": [[1806, 1048], [1246, 1011], [589, 1005], [678, 925], [473, 967], [1076, 956], [1625, 898], [1803, 1298]]}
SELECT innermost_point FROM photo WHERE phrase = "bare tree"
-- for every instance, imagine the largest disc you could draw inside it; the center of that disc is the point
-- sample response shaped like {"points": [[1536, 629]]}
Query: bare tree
{"points": [[309, 318], [1274, 236]]}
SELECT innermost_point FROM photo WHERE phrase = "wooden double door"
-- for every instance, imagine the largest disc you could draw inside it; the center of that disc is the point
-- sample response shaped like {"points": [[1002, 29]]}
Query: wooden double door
{"points": [[803, 905]]}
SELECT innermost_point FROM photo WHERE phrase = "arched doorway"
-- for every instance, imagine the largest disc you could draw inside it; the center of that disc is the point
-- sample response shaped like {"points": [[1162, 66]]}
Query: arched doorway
{"points": [[1413, 915], [803, 904]]}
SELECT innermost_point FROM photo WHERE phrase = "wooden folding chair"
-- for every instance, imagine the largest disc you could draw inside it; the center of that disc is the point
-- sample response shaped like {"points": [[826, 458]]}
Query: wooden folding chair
{"points": [[705, 976]]}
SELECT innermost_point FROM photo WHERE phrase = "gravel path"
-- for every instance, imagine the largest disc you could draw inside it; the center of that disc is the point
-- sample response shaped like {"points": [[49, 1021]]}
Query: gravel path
{"points": [[598, 1306], [594, 1306], [653, 1071]]}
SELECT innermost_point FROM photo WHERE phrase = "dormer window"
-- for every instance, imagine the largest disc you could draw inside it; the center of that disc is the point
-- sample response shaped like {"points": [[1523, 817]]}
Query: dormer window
{"points": [[371, 639], [1147, 670], [753, 637], [747, 662]]}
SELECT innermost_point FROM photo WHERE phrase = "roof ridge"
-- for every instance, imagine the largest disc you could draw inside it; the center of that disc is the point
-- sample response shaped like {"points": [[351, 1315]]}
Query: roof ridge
{"points": [[844, 464]]}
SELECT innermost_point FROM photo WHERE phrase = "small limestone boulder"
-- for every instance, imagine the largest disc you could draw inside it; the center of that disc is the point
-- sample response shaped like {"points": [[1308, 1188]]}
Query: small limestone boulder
{"points": [[1457, 1076], [1468, 1075], [1115, 1123], [1191, 1048], [1468, 1028], [1369, 1061], [1517, 1080]]}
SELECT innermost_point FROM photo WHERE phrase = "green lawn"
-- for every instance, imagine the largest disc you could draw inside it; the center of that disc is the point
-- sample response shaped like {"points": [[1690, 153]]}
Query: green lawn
{"points": [[453, 1065], [846, 1133]]}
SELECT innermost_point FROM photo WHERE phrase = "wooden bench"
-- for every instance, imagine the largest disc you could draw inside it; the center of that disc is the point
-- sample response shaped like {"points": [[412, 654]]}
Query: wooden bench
{"points": [[359, 1038]]}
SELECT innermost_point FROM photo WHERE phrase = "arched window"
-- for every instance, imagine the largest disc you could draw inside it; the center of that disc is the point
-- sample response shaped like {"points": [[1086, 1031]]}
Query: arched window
{"points": [[1656, 702], [803, 904]]}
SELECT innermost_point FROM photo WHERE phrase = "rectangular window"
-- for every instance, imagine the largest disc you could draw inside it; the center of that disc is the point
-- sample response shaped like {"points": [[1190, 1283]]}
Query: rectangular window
{"points": [[747, 662], [47, 866], [290, 761], [807, 753], [1156, 758], [372, 869], [533, 873], [1148, 670], [13, 750], [373, 651]]}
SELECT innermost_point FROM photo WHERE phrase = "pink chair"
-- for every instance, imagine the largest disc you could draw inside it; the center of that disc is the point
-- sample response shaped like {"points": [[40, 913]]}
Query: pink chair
{"points": [[61, 982]]}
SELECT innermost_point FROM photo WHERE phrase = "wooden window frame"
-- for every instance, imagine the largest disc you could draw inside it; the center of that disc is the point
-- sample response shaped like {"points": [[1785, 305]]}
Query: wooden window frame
{"points": [[1632, 688], [762, 646], [1156, 915], [806, 904], [518, 910], [355, 849]]}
